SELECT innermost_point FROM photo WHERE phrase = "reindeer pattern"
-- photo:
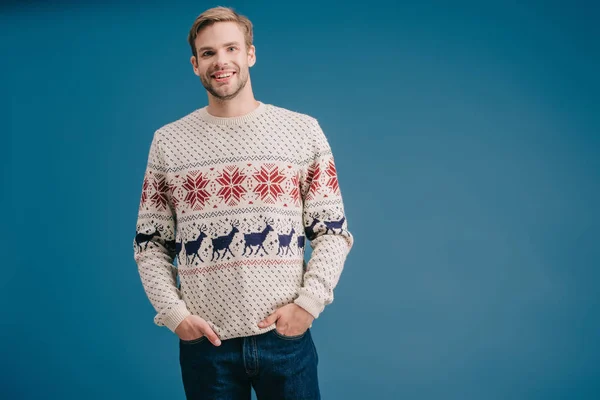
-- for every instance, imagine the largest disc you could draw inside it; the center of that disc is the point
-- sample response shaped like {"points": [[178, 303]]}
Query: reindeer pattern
{"points": [[251, 236], [234, 238]]}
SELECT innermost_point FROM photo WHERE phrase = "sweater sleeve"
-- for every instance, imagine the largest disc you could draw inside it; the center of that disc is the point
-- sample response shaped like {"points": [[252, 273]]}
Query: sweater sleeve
{"points": [[154, 242], [325, 225]]}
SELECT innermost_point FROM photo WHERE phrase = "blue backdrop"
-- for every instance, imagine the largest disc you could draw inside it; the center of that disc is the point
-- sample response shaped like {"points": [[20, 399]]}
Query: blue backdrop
{"points": [[467, 143]]}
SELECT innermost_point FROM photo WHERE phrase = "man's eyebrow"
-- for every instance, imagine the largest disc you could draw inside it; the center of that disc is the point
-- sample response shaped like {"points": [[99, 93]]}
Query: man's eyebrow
{"points": [[225, 45]]}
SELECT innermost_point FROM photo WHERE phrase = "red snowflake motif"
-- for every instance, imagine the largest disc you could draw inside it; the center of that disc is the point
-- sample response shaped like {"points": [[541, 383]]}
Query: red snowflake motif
{"points": [[197, 195], [332, 182], [232, 190], [295, 192], [145, 187], [159, 198], [313, 175], [269, 183]]}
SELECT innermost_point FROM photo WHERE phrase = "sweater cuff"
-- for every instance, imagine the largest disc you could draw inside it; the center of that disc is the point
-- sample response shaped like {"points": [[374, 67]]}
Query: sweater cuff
{"points": [[313, 306], [175, 316]]}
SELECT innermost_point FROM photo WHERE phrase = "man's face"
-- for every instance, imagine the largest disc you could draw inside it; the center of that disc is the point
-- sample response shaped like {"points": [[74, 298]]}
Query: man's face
{"points": [[222, 61]]}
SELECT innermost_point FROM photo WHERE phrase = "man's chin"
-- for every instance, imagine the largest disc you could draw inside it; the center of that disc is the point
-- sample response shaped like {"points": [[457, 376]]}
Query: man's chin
{"points": [[224, 94]]}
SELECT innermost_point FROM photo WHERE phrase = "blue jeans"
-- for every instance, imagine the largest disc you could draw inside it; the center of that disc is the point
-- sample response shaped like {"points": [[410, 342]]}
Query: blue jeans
{"points": [[278, 367]]}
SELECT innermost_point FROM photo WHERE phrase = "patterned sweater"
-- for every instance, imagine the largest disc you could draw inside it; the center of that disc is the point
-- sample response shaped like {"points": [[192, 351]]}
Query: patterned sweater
{"points": [[233, 200]]}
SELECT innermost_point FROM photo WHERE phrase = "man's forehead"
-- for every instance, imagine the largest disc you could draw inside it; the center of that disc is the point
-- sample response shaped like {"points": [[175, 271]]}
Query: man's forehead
{"points": [[219, 33]]}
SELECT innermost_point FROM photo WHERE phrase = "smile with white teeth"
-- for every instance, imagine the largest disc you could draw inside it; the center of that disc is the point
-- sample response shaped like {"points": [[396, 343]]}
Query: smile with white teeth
{"points": [[221, 76]]}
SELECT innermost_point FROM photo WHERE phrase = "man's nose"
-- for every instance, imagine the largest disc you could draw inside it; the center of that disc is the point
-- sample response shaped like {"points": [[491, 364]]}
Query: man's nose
{"points": [[220, 59]]}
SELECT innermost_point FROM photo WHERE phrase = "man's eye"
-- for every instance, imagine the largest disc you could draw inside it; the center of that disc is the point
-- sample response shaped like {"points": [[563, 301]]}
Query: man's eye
{"points": [[207, 53], [232, 47]]}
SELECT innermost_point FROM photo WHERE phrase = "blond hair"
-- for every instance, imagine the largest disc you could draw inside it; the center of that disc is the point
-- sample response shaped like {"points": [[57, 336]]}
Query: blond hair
{"points": [[220, 14]]}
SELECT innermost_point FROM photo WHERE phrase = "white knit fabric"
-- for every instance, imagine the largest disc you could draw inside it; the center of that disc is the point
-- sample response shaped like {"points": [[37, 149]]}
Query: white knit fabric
{"points": [[233, 200]]}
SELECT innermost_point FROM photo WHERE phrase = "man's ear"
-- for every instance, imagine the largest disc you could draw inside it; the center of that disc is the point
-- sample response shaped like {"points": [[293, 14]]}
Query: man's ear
{"points": [[251, 56], [195, 65]]}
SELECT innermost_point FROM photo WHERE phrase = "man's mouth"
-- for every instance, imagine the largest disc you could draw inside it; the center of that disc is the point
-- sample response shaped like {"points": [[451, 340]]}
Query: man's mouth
{"points": [[223, 76]]}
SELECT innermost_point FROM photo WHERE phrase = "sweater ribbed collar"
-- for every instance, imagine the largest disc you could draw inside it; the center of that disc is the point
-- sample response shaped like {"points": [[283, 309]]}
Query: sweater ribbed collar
{"points": [[203, 113]]}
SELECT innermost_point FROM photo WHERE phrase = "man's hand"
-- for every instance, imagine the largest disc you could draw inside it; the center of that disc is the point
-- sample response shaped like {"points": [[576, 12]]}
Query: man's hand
{"points": [[291, 320], [194, 327]]}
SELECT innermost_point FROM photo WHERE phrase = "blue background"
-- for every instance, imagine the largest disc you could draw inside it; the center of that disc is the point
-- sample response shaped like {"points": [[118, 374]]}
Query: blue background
{"points": [[467, 143]]}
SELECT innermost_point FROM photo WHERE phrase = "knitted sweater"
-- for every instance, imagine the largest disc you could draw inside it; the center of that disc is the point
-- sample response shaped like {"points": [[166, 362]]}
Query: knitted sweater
{"points": [[232, 201]]}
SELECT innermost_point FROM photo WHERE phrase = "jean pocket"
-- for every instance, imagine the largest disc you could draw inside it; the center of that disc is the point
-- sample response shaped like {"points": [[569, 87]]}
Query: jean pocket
{"points": [[285, 337], [193, 341]]}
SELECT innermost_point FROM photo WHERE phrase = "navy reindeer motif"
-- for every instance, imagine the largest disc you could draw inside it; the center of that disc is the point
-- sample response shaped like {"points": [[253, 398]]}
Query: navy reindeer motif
{"points": [[284, 241], [193, 246], [223, 242], [333, 225], [301, 240], [146, 238], [258, 238], [310, 232]]}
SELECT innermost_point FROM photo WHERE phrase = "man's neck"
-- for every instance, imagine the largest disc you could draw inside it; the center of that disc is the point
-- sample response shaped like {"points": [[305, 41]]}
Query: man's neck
{"points": [[231, 108]]}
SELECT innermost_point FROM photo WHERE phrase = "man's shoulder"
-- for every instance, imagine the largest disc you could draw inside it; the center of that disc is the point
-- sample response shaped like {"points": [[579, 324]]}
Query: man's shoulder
{"points": [[293, 115], [180, 124]]}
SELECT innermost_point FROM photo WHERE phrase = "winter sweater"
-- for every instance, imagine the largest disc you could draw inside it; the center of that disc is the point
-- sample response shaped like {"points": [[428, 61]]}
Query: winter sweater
{"points": [[234, 201]]}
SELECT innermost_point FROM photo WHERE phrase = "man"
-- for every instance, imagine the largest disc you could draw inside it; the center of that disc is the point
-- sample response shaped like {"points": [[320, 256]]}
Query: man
{"points": [[232, 190]]}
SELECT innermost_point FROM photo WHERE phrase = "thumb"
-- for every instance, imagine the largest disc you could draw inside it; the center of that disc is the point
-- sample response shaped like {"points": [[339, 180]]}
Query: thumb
{"points": [[207, 331], [269, 320]]}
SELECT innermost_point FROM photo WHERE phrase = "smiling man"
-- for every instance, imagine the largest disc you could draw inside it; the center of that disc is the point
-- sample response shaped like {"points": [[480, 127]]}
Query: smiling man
{"points": [[224, 80], [233, 191]]}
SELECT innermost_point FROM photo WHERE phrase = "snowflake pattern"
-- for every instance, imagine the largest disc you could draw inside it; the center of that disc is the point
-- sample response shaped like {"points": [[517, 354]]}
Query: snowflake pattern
{"points": [[332, 182], [159, 198], [313, 176], [232, 188], [197, 195], [145, 187], [269, 179]]}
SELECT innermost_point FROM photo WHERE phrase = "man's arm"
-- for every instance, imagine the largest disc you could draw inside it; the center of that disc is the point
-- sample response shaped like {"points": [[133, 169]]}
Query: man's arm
{"points": [[154, 242], [325, 226]]}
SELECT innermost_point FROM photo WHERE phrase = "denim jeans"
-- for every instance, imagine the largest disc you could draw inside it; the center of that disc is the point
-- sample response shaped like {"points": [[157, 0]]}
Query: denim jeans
{"points": [[278, 367]]}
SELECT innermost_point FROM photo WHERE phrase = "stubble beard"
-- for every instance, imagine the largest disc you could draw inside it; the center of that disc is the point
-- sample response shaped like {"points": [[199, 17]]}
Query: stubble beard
{"points": [[206, 82]]}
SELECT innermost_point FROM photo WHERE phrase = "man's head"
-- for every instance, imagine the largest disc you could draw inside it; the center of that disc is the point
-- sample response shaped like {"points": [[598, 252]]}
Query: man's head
{"points": [[222, 51]]}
